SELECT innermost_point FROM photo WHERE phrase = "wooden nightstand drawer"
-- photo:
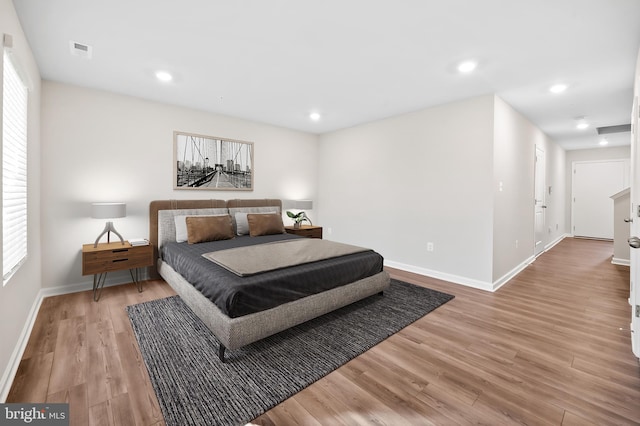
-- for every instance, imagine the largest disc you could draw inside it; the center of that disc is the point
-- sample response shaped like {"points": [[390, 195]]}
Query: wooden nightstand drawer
{"points": [[114, 257], [305, 231]]}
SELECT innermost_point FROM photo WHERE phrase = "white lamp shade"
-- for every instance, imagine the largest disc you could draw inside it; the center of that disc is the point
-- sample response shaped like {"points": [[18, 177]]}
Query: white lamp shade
{"points": [[298, 204], [108, 210], [303, 204]]}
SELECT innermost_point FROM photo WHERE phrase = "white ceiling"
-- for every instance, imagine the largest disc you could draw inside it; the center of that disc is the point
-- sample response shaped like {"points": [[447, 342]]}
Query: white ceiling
{"points": [[353, 61]]}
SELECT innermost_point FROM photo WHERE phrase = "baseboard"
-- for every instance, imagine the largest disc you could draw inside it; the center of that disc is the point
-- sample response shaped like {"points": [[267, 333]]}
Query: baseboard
{"points": [[469, 282], [553, 243], [622, 262], [512, 273], [14, 362], [84, 286]]}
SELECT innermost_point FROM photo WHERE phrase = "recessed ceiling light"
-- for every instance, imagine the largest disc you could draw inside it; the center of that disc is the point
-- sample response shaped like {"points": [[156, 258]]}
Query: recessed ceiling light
{"points": [[582, 125], [558, 88], [163, 76], [315, 116], [467, 66], [604, 142]]}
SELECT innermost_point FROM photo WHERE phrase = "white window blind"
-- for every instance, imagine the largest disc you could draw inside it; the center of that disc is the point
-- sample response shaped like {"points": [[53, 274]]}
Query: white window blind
{"points": [[14, 170]]}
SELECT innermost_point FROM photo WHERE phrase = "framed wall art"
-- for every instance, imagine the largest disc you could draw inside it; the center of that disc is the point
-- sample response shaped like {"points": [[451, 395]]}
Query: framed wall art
{"points": [[212, 163]]}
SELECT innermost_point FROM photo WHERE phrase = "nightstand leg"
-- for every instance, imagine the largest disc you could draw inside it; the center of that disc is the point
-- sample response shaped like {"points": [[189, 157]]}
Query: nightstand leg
{"points": [[136, 278], [98, 285]]}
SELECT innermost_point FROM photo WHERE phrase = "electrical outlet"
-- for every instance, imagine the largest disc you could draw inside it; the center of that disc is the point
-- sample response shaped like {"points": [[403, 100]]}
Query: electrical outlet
{"points": [[516, 243], [329, 231], [429, 246]]}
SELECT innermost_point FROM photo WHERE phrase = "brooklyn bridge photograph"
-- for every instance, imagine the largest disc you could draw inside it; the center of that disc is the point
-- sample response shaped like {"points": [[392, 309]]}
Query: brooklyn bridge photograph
{"points": [[207, 162]]}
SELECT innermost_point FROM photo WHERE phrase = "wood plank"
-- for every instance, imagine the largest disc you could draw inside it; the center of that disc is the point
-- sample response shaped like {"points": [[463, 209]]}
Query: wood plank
{"points": [[144, 403], [105, 376], [32, 379], [325, 408], [100, 415], [70, 358], [289, 412], [45, 328], [76, 397], [122, 411], [571, 419]]}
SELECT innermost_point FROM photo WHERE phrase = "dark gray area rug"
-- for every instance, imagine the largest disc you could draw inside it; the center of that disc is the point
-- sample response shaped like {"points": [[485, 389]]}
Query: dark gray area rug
{"points": [[195, 388]]}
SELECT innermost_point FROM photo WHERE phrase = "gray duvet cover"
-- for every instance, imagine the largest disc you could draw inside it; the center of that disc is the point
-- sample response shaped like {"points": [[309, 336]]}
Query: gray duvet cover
{"points": [[237, 296]]}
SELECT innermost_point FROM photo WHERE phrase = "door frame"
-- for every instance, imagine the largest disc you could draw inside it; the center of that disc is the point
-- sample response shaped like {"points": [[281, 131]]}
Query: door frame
{"points": [[627, 168], [634, 214], [537, 251]]}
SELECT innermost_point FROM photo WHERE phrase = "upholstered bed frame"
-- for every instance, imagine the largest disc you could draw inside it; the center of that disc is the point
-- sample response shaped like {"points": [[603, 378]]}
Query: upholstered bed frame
{"points": [[234, 333]]}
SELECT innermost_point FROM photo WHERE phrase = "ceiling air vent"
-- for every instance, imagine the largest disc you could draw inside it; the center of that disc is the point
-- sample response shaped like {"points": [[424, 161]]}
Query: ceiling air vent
{"points": [[80, 49], [621, 128]]}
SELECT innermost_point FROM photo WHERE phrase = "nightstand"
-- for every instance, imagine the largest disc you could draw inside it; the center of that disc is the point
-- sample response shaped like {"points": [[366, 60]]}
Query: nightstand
{"points": [[109, 257], [308, 231]]}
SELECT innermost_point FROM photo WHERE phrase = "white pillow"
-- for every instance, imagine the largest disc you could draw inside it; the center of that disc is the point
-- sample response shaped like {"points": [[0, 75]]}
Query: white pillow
{"points": [[181, 225], [167, 223], [242, 224]]}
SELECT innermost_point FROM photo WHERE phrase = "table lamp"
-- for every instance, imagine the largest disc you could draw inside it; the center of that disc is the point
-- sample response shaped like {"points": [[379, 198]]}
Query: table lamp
{"points": [[299, 205], [108, 211]]}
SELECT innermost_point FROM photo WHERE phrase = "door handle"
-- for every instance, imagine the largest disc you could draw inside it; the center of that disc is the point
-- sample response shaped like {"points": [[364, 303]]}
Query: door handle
{"points": [[629, 220], [634, 242], [544, 207]]}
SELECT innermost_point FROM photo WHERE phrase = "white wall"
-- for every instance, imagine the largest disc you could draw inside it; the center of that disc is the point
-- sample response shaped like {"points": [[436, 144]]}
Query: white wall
{"points": [[17, 297], [398, 183], [514, 159], [596, 154], [101, 146], [433, 176], [556, 224]]}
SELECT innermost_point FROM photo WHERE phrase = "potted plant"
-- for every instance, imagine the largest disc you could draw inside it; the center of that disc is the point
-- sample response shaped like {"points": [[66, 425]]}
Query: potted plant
{"points": [[298, 218]]}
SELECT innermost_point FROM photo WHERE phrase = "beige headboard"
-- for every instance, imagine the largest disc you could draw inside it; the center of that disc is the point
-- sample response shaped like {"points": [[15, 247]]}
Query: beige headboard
{"points": [[157, 205]]}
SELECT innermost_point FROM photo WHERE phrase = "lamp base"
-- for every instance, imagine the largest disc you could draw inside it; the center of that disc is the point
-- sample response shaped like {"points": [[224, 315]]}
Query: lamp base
{"points": [[108, 229]]}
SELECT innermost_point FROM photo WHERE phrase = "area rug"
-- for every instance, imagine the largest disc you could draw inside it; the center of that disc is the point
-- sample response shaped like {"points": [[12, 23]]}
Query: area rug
{"points": [[194, 388]]}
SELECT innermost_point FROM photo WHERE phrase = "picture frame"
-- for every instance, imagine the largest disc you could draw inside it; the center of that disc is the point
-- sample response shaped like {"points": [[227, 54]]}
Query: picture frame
{"points": [[203, 162]]}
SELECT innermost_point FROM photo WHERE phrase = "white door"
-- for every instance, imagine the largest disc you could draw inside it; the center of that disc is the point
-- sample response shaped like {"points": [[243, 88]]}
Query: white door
{"points": [[539, 204], [634, 297], [594, 182]]}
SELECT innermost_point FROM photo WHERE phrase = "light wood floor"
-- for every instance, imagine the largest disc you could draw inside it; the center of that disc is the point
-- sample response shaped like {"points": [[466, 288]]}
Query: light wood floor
{"points": [[551, 347]]}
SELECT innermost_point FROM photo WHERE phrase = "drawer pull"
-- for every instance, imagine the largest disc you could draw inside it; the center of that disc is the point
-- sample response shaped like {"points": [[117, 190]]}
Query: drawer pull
{"points": [[120, 260], [119, 250]]}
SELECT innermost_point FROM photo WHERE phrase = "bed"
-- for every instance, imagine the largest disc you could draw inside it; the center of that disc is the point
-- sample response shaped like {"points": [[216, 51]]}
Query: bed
{"points": [[240, 310]]}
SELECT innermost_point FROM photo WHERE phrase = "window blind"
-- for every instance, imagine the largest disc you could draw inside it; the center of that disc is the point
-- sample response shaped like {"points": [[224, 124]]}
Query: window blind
{"points": [[14, 170]]}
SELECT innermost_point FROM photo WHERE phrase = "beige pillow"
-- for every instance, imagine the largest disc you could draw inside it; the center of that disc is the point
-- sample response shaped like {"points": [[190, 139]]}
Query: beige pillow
{"points": [[181, 225], [265, 224], [201, 229], [242, 226]]}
